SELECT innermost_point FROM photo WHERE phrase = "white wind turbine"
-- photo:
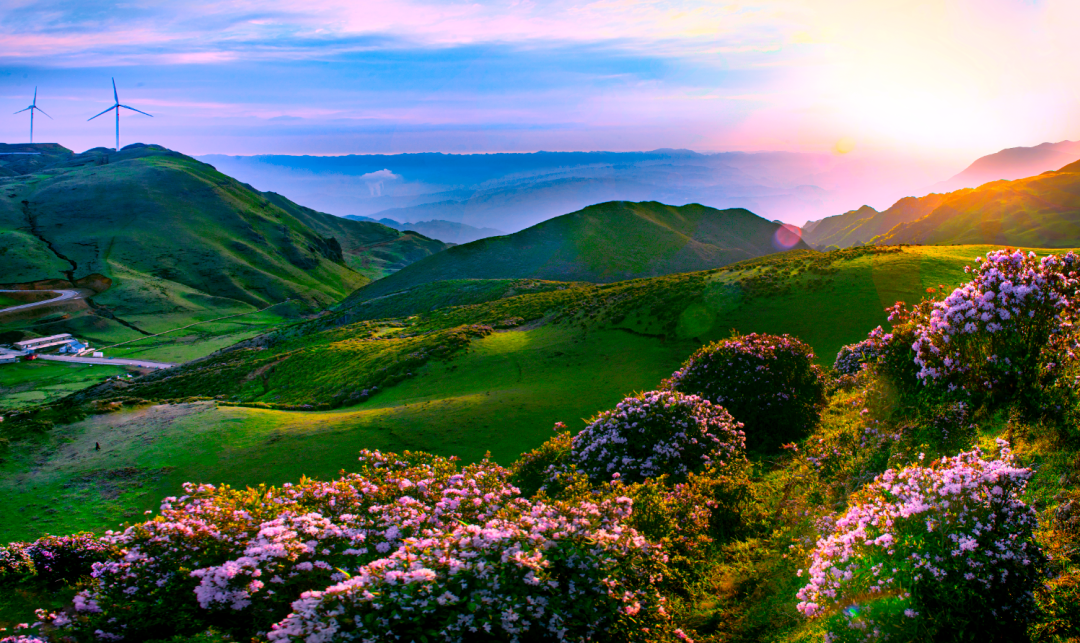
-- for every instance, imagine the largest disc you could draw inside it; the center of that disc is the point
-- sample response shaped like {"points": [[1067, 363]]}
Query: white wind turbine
{"points": [[117, 107], [33, 108]]}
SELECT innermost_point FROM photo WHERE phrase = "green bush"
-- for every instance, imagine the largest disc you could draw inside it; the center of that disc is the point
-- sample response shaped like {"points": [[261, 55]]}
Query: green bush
{"points": [[769, 383]]}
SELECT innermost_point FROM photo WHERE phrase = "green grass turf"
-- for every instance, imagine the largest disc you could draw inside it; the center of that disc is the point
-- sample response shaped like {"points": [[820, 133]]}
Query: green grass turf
{"points": [[41, 382]]}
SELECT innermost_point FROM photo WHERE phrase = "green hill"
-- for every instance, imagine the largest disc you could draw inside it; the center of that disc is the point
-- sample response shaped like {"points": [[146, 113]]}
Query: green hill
{"points": [[858, 227], [1042, 211], [493, 375], [602, 243], [180, 240]]}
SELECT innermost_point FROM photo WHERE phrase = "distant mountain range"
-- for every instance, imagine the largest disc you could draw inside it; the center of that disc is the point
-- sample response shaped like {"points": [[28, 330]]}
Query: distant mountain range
{"points": [[514, 191], [1013, 163], [448, 231], [602, 243], [1038, 211], [174, 235]]}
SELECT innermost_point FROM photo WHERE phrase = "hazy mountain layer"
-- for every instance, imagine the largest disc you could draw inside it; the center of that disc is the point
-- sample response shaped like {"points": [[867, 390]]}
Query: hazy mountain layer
{"points": [[1013, 163], [175, 235], [601, 243], [513, 191], [448, 231]]}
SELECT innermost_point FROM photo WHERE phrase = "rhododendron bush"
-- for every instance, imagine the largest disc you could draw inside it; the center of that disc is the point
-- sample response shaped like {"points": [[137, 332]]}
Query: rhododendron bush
{"points": [[931, 553], [851, 358], [657, 433], [769, 383], [459, 552], [1006, 334]]}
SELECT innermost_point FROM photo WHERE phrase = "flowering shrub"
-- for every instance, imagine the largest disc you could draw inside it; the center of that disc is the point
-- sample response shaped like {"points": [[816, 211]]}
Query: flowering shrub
{"points": [[239, 561], [769, 383], [553, 573], [1004, 334], [656, 433], [927, 553], [542, 468], [52, 558], [851, 358]]}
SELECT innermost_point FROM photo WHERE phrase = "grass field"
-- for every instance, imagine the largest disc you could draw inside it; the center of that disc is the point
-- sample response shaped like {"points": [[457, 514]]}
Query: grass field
{"points": [[500, 393], [41, 382]]}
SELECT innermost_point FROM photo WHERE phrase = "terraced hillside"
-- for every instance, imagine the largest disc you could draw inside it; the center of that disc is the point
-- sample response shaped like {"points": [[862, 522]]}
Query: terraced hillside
{"points": [[180, 241], [602, 243]]}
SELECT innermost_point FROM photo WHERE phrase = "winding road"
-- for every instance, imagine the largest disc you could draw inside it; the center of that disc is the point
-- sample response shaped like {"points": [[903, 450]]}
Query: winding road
{"points": [[107, 361], [64, 296]]}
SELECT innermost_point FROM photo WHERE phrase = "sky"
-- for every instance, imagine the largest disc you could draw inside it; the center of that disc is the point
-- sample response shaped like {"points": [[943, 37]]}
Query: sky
{"points": [[943, 79]]}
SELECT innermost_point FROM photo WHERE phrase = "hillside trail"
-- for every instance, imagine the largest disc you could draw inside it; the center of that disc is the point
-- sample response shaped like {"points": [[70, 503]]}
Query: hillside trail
{"points": [[64, 295]]}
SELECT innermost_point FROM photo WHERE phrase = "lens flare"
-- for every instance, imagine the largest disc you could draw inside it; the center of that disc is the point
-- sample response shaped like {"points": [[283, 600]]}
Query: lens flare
{"points": [[786, 236]]}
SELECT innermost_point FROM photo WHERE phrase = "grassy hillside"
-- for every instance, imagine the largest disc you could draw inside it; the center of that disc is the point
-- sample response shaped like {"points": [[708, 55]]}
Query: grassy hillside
{"points": [[1041, 211], [180, 242], [858, 227], [444, 386], [603, 243]]}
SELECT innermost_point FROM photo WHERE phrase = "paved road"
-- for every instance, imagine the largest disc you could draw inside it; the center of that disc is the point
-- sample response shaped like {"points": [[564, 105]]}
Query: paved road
{"points": [[106, 361], [64, 295]]}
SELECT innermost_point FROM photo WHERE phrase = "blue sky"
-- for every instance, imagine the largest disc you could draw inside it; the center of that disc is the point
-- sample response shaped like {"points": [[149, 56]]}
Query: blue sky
{"points": [[914, 77]]}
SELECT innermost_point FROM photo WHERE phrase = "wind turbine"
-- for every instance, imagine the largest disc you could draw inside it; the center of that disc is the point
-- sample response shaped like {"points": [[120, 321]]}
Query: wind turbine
{"points": [[117, 107], [33, 108]]}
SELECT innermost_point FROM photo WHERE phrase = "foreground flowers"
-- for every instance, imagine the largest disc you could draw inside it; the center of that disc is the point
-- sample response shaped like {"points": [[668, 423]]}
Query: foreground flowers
{"points": [[410, 548], [925, 553]]}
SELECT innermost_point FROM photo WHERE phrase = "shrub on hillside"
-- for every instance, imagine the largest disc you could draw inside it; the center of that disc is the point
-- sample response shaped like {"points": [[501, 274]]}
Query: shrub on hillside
{"points": [[569, 572], [851, 358], [1005, 335], [657, 433], [239, 561], [542, 468], [769, 383], [942, 552]]}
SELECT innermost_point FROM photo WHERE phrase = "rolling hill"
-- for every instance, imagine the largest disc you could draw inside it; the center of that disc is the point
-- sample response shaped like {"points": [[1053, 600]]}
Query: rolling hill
{"points": [[602, 243], [178, 239], [859, 227], [493, 375], [1041, 211]]}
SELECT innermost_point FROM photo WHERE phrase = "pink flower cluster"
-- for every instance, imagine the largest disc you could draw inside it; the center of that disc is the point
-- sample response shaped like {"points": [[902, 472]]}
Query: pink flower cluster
{"points": [[925, 540], [536, 577], [655, 433], [851, 358], [990, 332], [258, 560]]}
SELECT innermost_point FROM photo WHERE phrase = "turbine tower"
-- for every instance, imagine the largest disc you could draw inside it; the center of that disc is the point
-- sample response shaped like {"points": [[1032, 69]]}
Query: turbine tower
{"points": [[117, 107], [33, 108]]}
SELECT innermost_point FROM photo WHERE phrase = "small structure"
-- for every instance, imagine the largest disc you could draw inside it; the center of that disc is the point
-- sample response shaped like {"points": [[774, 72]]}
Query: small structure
{"points": [[99, 354], [43, 342], [73, 347]]}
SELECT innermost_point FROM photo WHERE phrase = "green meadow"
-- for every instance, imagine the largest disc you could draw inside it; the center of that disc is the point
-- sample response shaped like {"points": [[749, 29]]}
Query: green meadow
{"points": [[584, 349]]}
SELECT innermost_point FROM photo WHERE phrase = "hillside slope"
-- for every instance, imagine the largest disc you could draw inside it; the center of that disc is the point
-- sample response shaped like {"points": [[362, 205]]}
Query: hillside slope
{"points": [[1041, 211], [448, 231], [857, 227], [602, 243], [1013, 163], [177, 237]]}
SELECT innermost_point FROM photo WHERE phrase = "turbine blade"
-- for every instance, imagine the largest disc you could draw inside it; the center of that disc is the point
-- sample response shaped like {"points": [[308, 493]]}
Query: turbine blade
{"points": [[35, 96], [136, 110], [114, 91], [105, 112], [23, 110], [42, 111]]}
